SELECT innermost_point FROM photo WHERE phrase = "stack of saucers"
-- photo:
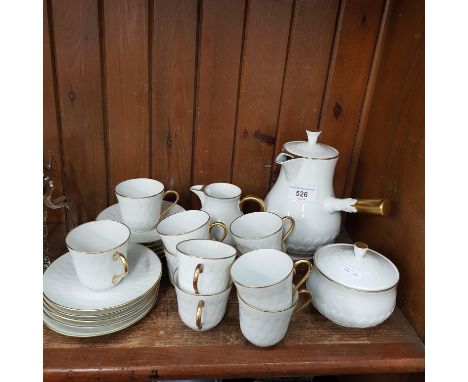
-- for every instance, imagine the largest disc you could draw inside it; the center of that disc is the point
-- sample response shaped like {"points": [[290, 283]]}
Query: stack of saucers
{"points": [[151, 238], [72, 309]]}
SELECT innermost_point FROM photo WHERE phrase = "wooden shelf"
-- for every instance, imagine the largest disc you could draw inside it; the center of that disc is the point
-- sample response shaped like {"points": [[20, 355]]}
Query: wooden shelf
{"points": [[162, 347]]}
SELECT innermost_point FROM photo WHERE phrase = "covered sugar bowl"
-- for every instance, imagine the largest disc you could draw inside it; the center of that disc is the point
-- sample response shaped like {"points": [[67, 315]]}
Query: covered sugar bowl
{"points": [[352, 285]]}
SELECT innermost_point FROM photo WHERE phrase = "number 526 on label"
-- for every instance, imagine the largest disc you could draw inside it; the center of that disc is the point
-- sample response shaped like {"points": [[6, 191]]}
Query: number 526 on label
{"points": [[304, 193]]}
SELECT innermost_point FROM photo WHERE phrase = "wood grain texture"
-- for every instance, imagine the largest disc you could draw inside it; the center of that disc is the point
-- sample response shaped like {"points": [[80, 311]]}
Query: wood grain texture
{"points": [[77, 48], [218, 78], [174, 42], [51, 132], [163, 347], [126, 68], [310, 46], [265, 46], [391, 163], [354, 44]]}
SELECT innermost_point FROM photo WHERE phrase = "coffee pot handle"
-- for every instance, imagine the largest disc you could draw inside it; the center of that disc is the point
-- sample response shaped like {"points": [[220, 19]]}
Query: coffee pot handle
{"points": [[364, 206], [373, 206]]}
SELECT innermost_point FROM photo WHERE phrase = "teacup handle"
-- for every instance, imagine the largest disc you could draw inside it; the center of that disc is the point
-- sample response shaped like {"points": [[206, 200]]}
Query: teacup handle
{"points": [[123, 259], [304, 279], [173, 203], [304, 305], [253, 198], [196, 275], [200, 306], [291, 228], [219, 224]]}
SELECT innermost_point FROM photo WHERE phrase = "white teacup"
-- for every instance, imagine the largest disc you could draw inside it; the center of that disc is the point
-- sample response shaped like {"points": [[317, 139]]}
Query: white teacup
{"points": [[99, 252], [264, 277], [140, 202], [260, 230], [172, 264], [201, 312], [204, 265], [185, 225], [266, 328]]}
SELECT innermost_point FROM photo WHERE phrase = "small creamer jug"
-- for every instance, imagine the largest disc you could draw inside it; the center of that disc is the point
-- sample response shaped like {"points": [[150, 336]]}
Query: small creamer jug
{"points": [[223, 202]]}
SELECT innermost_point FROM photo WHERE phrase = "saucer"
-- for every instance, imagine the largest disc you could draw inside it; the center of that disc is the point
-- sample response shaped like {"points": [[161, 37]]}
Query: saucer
{"points": [[94, 331], [113, 213], [64, 291]]}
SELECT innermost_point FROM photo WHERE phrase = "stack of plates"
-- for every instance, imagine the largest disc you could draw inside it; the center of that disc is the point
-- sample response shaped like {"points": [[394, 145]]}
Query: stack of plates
{"points": [[74, 310], [151, 238]]}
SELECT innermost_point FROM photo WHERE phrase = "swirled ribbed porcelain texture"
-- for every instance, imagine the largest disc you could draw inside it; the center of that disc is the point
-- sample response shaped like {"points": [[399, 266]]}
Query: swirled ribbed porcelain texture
{"points": [[62, 286], [213, 310], [140, 203], [350, 307], [113, 213], [263, 278], [172, 264], [263, 328], [304, 190], [215, 265]]}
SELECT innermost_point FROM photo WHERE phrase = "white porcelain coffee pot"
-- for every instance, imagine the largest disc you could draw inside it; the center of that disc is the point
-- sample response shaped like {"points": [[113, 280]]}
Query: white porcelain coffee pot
{"points": [[304, 190], [223, 202]]}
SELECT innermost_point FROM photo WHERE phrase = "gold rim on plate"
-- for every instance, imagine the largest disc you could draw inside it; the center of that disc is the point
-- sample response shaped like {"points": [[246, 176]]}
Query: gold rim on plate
{"points": [[109, 307]]}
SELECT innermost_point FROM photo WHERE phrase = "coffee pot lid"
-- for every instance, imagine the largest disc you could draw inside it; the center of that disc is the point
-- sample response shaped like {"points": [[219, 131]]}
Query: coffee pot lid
{"points": [[310, 148], [357, 267]]}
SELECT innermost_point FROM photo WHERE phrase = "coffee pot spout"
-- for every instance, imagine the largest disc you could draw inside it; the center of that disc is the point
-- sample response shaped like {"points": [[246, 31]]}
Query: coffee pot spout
{"points": [[199, 190]]}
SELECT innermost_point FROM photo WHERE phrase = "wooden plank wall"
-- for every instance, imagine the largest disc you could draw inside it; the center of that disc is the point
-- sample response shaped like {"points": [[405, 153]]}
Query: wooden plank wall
{"points": [[391, 162], [198, 91]]}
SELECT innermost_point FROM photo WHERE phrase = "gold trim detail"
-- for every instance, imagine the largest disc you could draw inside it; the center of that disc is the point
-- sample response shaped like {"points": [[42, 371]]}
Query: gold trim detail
{"points": [[141, 197], [354, 289], [309, 300], [107, 250], [173, 203], [255, 238], [123, 259], [306, 276], [201, 257], [196, 275], [291, 229], [219, 224], [253, 198], [183, 233], [200, 306], [373, 206], [110, 307], [196, 295], [267, 286]]}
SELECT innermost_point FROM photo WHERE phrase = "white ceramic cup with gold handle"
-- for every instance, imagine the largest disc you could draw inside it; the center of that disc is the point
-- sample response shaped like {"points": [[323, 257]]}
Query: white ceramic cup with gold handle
{"points": [[140, 202], [261, 230], [204, 265], [264, 278], [266, 328], [201, 312], [99, 252], [185, 225]]}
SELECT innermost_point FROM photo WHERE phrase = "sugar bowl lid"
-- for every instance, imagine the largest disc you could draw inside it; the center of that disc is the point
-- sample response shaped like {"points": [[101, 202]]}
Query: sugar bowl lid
{"points": [[310, 148], [357, 267]]}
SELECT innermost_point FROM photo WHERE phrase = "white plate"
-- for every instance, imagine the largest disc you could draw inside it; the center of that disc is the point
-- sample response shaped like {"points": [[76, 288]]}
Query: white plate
{"points": [[113, 213], [97, 331], [62, 287], [117, 319]]}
